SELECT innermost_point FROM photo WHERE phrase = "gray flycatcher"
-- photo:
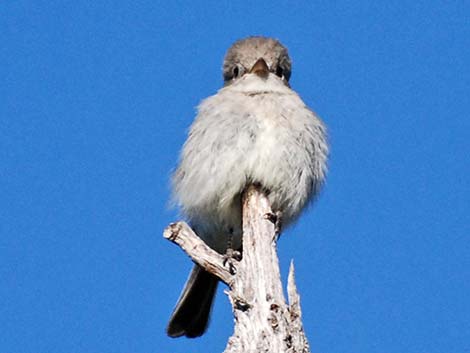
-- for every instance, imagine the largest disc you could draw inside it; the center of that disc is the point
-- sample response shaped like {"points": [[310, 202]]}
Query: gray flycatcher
{"points": [[255, 130]]}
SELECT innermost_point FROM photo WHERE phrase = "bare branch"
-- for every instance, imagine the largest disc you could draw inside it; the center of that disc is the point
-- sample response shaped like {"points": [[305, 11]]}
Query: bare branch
{"points": [[183, 236], [264, 322]]}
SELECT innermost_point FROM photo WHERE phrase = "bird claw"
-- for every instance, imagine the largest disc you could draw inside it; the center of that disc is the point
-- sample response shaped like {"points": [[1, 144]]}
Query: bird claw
{"points": [[276, 219], [229, 258]]}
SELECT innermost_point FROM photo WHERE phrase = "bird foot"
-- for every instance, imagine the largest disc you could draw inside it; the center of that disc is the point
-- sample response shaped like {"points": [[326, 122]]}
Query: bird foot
{"points": [[230, 257], [276, 219]]}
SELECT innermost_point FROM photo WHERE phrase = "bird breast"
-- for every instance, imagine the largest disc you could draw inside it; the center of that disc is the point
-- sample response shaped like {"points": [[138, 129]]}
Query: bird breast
{"points": [[250, 135]]}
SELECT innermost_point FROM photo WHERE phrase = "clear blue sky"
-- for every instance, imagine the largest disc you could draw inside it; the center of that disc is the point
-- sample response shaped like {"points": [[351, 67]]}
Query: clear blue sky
{"points": [[95, 101]]}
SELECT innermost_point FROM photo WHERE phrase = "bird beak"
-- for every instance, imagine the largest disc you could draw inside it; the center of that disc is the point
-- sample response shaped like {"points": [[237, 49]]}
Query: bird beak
{"points": [[260, 68]]}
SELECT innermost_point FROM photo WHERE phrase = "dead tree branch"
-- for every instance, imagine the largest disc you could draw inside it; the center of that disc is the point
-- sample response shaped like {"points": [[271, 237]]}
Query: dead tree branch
{"points": [[264, 322]]}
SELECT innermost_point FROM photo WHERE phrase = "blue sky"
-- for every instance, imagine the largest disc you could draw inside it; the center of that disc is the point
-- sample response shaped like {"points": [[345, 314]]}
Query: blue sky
{"points": [[96, 99]]}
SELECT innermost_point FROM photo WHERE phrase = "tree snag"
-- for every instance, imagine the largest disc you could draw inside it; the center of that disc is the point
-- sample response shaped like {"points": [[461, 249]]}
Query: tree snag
{"points": [[264, 322]]}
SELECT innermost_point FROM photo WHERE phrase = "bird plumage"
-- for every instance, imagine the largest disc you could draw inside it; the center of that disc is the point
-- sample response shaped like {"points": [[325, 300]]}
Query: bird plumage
{"points": [[256, 129]]}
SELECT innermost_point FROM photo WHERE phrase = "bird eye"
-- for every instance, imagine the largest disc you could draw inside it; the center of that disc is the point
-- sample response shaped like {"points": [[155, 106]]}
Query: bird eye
{"points": [[233, 72], [280, 72]]}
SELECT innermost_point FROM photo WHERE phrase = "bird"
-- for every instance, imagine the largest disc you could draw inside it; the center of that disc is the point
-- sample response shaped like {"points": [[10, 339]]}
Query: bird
{"points": [[254, 130]]}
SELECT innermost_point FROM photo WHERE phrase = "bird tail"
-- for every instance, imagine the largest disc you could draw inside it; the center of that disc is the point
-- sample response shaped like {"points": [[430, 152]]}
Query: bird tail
{"points": [[191, 314]]}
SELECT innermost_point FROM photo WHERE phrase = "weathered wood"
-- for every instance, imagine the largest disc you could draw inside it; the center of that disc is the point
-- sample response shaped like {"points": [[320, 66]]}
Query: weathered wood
{"points": [[183, 236], [297, 334], [264, 322]]}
